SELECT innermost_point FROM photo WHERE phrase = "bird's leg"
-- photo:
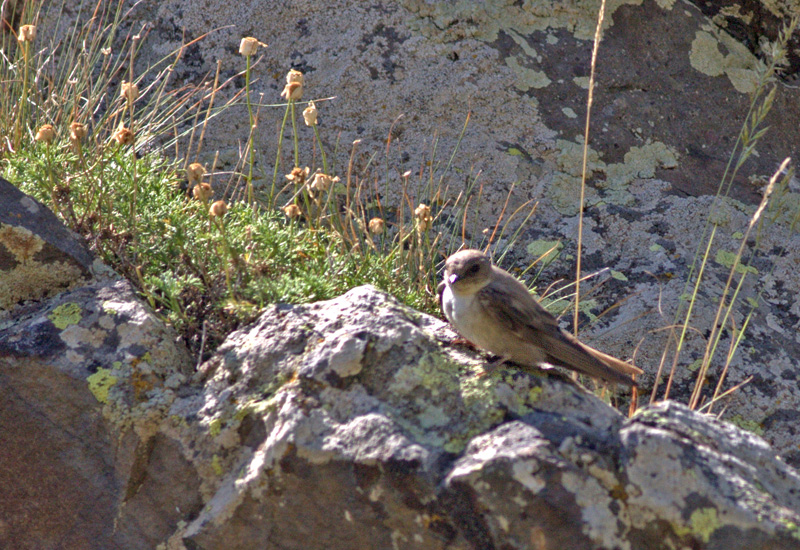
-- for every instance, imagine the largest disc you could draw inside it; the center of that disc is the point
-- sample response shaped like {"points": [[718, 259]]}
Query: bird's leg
{"points": [[489, 368], [461, 341]]}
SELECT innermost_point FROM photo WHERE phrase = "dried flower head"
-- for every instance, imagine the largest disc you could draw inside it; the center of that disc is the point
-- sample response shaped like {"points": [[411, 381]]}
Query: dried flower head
{"points": [[27, 33], [310, 114], [376, 226], [45, 133], [298, 175], [248, 46], [423, 215], [195, 173], [322, 182], [294, 76], [202, 192], [77, 131], [123, 136], [218, 209], [129, 91], [292, 211], [293, 91]]}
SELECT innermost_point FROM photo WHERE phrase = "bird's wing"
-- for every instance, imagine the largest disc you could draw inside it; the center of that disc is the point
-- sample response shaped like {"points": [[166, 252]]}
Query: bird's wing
{"points": [[511, 305]]}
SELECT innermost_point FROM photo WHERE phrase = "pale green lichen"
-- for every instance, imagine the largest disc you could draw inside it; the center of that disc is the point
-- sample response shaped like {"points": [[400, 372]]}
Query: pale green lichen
{"points": [[527, 79], [485, 20], [582, 81], [214, 427], [65, 315], [704, 522], [748, 425], [216, 465], [100, 383], [545, 251], [729, 259], [569, 113], [739, 64], [639, 162]]}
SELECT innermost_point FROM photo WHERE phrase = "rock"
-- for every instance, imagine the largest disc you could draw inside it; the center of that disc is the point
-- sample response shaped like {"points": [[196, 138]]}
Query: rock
{"points": [[85, 378], [351, 423], [668, 107], [38, 255]]}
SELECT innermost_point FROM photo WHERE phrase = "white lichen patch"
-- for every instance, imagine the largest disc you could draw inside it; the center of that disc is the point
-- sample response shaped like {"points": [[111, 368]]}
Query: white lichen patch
{"points": [[599, 521], [524, 472], [75, 336]]}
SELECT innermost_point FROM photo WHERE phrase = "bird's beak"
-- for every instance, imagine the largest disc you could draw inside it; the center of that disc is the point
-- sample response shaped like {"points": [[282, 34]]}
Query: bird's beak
{"points": [[452, 278]]}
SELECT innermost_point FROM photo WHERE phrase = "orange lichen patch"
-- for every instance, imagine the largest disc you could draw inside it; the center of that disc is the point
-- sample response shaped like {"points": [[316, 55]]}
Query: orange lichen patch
{"points": [[33, 281], [22, 243]]}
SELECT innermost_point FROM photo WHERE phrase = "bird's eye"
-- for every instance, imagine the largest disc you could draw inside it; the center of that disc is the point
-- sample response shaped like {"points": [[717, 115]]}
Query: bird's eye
{"points": [[473, 268]]}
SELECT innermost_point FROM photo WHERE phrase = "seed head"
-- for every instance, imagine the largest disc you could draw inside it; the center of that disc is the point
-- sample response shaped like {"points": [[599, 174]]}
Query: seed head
{"points": [[129, 91], [322, 182], [123, 136], [77, 131], [248, 46], [298, 175], [423, 215], [294, 76], [292, 211], [202, 192], [218, 209], [27, 33], [293, 91], [46, 132], [310, 114], [195, 173], [376, 226]]}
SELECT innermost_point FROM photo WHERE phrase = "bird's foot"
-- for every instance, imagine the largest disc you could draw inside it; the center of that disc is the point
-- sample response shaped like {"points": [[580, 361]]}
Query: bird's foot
{"points": [[461, 341], [489, 368]]}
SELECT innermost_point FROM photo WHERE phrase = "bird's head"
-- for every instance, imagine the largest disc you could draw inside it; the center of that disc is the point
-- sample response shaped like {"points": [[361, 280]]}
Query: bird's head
{"points": [[468, 271]]}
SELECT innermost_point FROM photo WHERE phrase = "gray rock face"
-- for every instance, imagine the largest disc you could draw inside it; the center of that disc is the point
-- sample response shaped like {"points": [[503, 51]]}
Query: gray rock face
{"points": [[351, 423]]}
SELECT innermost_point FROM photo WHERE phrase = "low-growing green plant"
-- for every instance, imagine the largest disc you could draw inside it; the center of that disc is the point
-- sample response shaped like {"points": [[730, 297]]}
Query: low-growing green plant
{"points": [[116, 157]]}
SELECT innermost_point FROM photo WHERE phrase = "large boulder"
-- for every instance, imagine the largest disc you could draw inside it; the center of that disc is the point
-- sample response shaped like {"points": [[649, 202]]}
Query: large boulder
{"points": [[351, 423]]}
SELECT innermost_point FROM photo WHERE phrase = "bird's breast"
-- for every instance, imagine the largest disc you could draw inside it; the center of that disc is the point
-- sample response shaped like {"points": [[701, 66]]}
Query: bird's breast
{"points": [[464, 313]]}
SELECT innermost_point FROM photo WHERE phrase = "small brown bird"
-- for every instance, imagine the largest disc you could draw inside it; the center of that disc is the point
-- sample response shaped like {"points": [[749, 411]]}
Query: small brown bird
{"points": [[492, 309]]}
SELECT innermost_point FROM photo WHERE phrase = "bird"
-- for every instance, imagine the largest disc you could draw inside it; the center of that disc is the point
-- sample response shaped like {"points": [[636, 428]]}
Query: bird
{"points": [[493, 310]]}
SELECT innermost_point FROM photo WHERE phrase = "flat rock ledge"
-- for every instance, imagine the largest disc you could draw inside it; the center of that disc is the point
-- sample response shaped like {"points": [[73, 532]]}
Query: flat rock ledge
{"points": [[351, 423]]}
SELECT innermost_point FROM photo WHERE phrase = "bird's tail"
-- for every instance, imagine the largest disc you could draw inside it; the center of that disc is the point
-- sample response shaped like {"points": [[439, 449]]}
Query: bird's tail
{"points": [[617, 364]]}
